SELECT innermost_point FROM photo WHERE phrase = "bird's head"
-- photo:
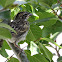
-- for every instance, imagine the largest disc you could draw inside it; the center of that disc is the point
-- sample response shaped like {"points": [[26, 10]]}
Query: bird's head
{"points": [[23, 15], [20, 23]]}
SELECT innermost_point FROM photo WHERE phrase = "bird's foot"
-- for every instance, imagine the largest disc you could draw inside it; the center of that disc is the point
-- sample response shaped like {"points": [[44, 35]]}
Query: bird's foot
{"points": [[21, 50]]}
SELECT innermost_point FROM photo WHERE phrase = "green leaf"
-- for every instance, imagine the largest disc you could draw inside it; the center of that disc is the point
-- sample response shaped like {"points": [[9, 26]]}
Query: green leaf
{"points": [[31, 19], [12, 59], [42, 15], [47, 2], [46, 21], [5, 15], [5, 3], [57, 27], [33, 48], [4, 33], [54, 36], [7, 26], [59, 59], [45, 52], [30, 36], [26, 7], [14, 11], [49, 22], [46, 31], [36, 58], [34, 33], [52, 41], [5, 45], [3, 52]]}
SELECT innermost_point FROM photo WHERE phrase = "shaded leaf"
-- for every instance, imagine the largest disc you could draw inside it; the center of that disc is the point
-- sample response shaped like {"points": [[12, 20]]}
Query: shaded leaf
{"points": [[47, 2], [5, 45], [4, 33], [57, 27], [3, 52], [45, 14], [59, 59], [36, 58], [5, 3], [46, 21], [7, 26], [46, 31], [12, 59], [45, 51], [34, 33], [5, 15], [49, 22]]}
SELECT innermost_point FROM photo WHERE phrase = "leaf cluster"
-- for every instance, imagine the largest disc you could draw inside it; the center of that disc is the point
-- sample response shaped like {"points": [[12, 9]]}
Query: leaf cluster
{"points": [[37, 38]]}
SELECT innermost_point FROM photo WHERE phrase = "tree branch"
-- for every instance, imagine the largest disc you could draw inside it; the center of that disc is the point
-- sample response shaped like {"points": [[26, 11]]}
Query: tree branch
{"points": [[19, 53]]}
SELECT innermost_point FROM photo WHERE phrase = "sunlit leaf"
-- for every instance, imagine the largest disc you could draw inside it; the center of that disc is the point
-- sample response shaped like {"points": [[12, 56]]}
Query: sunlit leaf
{"points": [[33, 48]]}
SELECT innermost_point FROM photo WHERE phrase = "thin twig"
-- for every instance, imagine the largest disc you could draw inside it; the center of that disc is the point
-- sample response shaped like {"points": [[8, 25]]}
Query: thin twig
{"points": [[56, 49], [37, 39], [54, 12], [9, 58], [57, 52], [51, 46]]}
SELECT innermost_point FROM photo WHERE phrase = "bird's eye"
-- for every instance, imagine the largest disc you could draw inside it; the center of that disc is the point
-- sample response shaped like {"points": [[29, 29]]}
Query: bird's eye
{"points": [[26, 23], [25, 15]]}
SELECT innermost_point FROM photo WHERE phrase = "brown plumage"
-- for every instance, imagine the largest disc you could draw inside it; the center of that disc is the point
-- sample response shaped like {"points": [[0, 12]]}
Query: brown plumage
{"points": [[21, 26]]}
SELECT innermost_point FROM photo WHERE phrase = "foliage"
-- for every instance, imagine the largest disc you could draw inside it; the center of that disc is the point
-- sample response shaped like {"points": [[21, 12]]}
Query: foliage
{"points": [[44, 14]]}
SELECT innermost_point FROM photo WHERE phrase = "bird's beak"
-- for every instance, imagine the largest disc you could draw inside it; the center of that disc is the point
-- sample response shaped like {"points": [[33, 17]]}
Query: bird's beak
{"points": [[30, 14]]}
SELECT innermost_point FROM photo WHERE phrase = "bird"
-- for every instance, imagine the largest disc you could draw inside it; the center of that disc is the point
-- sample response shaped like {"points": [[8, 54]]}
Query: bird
{"points": [[21, 26]]}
